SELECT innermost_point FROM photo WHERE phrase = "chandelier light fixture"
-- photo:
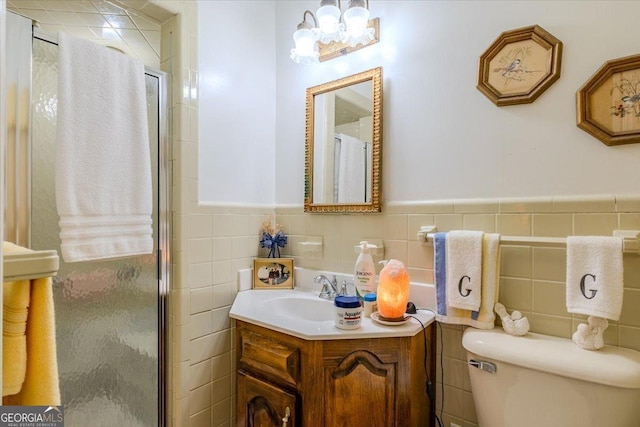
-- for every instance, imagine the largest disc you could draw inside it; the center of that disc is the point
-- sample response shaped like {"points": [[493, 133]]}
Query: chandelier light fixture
{"points": [[334, 33]]}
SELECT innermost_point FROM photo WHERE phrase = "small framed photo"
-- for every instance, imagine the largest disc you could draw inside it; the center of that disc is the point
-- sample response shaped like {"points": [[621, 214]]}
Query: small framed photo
{"points": [[273, 273], [519, 66]]}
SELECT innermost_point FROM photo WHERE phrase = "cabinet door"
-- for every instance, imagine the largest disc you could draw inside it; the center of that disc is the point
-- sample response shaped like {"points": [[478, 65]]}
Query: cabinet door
{"points": [[360, 390], [261, 404]]}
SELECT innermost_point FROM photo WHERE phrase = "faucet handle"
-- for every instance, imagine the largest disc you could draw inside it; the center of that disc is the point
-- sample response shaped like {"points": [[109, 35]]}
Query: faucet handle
{"points": [[343, 288]]}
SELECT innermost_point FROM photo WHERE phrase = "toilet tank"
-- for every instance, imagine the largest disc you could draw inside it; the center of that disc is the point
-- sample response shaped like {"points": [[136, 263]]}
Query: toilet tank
{"points": [[538, 380]]}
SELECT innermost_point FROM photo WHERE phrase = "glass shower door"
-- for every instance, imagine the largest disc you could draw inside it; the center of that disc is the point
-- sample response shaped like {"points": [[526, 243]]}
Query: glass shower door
{"points": [[108, 313]]}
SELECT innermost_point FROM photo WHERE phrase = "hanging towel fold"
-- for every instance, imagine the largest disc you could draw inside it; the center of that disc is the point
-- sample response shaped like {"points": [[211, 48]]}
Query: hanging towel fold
{"points": [[351, 170], [484, 318], [103, 173], [30, 364], [464, 269], [595, 276]]}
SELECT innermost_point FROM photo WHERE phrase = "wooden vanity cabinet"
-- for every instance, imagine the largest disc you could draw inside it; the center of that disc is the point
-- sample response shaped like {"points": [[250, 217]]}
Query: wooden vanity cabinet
{"points": [[369, 382]]}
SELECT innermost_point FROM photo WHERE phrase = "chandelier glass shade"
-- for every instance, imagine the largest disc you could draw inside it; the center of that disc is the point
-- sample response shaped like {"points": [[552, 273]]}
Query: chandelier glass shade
{"points": [[332, 26]]}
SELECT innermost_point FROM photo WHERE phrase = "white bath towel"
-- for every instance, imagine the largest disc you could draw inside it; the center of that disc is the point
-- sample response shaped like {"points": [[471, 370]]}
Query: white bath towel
{"points": [[595, 276], [351, 170], [103, 167], [464, 269]]}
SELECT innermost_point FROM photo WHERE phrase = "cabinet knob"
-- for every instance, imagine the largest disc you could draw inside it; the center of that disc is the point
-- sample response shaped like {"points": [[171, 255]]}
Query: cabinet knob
{"points": [[287, 414]]}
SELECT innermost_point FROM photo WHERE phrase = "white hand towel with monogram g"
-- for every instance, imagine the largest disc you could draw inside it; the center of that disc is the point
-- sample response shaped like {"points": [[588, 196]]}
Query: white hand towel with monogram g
{"points": [[595, 276], [464, 269]]}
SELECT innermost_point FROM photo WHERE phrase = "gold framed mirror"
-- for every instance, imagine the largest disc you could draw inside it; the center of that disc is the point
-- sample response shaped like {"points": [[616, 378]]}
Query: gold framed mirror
{"points": [[343, 144]]}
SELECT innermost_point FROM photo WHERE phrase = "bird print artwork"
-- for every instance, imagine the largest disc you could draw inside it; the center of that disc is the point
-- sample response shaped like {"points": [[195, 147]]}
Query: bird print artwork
{"points": [[512, 67], [628, 89], [515, 65]]}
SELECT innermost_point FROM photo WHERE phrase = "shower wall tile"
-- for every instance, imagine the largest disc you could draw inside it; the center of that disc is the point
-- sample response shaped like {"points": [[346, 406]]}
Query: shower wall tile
{"points": [[558, 326], [604, 203], [220, 320], [221, 389], [631, 271], [448, 222], [221, 412], [180, 411], [627, 204], [550, 264], [552, 225], [201, 325], [419, 255], [395, 227], [630, 337], [549, 298], [415, 221], [630, 314], [221, 225], [514, 224], [516, 293], [181, 380], [222, 272], [200, 275], [181, 306], [480, 222], [629, 221], [595, 224], [199, 374], [201, 419], [201, 300], [472, 206], [516, 261], [526, 205], [201, 250], [221, 366]]}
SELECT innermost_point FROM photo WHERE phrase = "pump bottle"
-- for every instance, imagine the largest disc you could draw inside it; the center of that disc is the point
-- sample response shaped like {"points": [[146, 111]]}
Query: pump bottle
{"points": [[364, 271]]}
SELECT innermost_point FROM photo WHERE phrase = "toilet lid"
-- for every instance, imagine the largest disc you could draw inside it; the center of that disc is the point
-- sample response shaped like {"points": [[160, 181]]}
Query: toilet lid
{"points": [[613, 366]]}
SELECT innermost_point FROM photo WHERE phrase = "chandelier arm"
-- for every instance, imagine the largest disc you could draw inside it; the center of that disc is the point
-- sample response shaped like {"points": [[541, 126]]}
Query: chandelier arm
{"points": [[304, 17]]}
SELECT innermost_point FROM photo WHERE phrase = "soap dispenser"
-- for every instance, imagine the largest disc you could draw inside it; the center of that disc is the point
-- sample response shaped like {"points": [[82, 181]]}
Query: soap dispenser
{"points": [[364, 271]]}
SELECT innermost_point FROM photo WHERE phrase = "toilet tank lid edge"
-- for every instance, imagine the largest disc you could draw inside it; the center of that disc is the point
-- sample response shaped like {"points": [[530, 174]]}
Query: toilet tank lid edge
{"points": [[613, 366]]}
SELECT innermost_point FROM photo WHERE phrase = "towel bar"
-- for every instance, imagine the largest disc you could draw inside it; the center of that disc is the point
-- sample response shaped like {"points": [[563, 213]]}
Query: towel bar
{"points": [[630, 240], [29, 265]]}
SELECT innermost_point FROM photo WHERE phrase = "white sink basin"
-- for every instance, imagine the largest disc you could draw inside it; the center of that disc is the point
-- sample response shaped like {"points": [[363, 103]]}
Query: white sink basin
{"points": [[304, 315], [301, 308]]}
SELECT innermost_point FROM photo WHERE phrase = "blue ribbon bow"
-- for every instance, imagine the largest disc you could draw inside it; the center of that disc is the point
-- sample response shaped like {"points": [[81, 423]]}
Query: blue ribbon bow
{"points": [[274, 243]]}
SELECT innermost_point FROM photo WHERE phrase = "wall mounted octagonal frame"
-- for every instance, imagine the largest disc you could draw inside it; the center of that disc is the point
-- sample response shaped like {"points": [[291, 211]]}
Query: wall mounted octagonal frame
{"points": [[608, 104], [519, 66]]}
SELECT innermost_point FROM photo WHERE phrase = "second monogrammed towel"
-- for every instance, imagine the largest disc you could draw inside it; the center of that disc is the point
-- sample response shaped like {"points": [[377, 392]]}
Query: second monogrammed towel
{"points": [[594, 276], [464, 269]]}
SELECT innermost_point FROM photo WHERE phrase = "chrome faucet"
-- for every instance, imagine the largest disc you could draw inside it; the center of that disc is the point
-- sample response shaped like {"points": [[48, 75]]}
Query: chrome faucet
{"points": [[329, 287]]}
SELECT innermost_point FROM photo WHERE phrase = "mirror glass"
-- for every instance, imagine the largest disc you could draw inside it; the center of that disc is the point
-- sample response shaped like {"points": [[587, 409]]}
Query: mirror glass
{"points": [[343, 144]]}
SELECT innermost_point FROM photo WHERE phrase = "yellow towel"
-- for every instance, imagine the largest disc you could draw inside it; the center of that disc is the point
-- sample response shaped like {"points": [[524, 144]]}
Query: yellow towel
{"points": [[30, 364], [14, 341]]}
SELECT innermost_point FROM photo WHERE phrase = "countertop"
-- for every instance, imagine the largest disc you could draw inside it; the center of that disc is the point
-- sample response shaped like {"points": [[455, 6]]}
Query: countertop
{"points": [[303, 314]]}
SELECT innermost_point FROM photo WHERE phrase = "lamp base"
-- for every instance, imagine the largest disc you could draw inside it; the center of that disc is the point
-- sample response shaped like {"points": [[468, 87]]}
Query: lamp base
{"points": [[376, 317]]}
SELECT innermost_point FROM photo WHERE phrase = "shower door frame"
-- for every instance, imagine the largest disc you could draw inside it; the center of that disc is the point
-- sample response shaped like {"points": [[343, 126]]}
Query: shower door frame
{"points": [[163, 255]]}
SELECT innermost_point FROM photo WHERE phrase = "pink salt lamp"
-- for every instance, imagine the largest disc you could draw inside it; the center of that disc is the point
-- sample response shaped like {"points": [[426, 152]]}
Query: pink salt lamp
{"points": [[393, 291]]}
